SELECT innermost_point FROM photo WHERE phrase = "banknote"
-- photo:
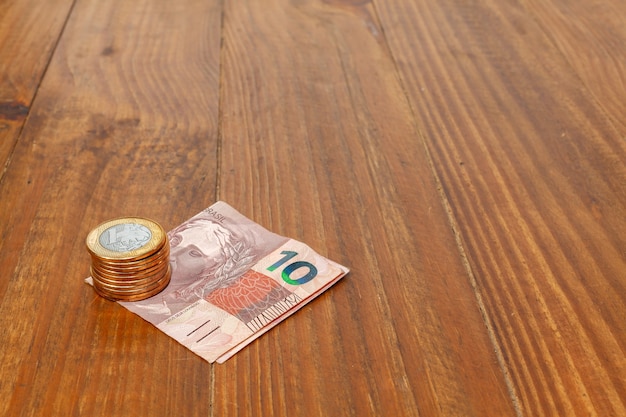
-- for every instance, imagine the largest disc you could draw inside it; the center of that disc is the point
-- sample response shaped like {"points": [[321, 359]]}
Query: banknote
{"points": [[232, 280]]}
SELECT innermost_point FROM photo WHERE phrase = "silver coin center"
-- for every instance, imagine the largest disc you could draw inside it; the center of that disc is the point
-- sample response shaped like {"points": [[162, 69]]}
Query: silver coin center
{"points": [[125, 237]]}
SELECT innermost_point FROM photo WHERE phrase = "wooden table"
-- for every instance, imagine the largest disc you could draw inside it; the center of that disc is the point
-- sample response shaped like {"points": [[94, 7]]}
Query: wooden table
{"points": [[466, 159]]}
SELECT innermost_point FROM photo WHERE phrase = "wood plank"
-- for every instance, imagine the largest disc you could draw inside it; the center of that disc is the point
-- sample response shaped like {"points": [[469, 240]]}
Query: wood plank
{"points": [[29, 30], [125, 123], [534, 170], [318, 144], [591, 35]]}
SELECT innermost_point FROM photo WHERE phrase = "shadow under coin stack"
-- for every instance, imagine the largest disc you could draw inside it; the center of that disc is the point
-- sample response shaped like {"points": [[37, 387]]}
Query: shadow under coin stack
{"points": [[129, 259]]}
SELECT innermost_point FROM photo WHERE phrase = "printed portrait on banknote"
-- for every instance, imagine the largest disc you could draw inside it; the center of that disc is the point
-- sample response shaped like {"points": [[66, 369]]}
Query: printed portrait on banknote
{"points": [[208, 252]]}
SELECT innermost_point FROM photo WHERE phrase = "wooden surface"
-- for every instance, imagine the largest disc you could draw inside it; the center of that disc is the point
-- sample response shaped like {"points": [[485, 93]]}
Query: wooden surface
{"points": [[467, 161]]}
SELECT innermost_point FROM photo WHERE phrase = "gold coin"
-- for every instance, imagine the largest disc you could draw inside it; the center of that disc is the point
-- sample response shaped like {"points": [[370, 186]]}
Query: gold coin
{"points": [[125, 239], [132, 271], [123, 292], [116, 296], [158, 257], [131, 275], [128, 282]]}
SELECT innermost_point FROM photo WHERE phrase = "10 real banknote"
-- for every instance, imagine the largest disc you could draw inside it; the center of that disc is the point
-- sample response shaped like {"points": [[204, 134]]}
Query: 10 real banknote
{"points": [[232, 280]]}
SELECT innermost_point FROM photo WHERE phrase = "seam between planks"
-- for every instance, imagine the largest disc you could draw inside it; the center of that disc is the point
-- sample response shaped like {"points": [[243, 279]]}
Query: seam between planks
{"points": [[472, 279], [218, 162], [36, 92], [455, 231], [220, 114]]}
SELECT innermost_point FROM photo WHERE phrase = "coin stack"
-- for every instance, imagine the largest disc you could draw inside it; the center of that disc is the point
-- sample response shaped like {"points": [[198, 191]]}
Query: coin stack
{"points": [[129, 259]]}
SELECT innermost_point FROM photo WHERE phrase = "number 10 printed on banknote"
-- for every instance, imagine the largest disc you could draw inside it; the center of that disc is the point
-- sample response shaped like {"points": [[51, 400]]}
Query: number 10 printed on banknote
{"points": [[232, 280]]}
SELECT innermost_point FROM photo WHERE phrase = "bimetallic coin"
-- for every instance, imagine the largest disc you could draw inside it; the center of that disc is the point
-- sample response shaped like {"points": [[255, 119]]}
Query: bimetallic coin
{"points": [[125, 239]]}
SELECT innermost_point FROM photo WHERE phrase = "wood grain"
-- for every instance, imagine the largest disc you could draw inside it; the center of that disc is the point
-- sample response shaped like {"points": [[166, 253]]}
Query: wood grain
{"points": [[125, 123], [590, 35], [318, 144], [29, 30], [533, 169], [465, 159]]}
